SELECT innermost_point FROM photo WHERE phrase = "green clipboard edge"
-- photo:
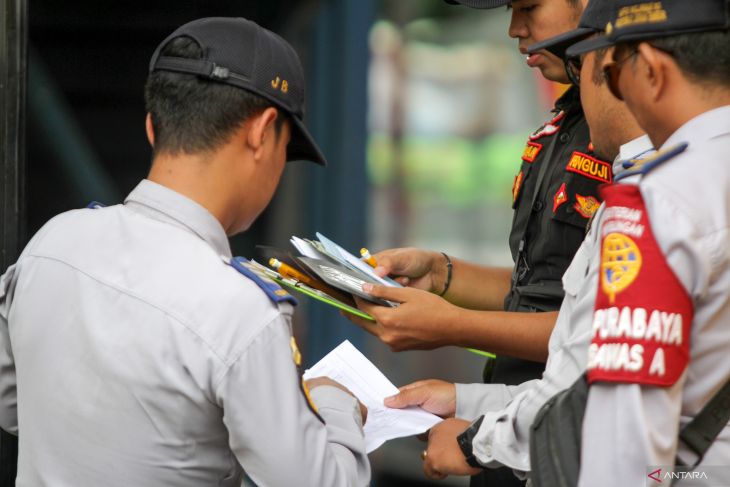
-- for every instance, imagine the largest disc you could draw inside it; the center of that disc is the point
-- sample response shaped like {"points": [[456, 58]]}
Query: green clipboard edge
{"points": [[482, 353], [304, 289]]}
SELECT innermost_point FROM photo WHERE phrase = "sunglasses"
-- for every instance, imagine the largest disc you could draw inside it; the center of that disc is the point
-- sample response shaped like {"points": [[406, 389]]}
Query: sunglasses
{"points": [[612, 71]]}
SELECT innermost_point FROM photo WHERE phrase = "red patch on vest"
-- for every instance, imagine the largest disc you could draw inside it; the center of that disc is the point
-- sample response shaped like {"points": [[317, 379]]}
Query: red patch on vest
{"points": [[587, 206], [560, 197], [532, 149], [590, 167], [643, 315]]}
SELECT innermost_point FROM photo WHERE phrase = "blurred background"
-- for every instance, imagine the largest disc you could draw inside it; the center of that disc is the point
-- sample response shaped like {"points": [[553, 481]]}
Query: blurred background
{"points": [[422, 109]]}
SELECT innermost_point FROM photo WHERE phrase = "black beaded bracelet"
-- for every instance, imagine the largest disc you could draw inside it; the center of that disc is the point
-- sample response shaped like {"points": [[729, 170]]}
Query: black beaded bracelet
{"points": [[449, 266]]}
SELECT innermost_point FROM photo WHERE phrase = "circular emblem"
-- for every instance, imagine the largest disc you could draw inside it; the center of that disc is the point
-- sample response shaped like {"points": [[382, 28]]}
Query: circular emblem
{"points": [[621, 262]]}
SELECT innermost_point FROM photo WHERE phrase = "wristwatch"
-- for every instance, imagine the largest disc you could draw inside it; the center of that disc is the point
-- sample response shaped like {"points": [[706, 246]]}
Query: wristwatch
{"points": [[465, 442]]}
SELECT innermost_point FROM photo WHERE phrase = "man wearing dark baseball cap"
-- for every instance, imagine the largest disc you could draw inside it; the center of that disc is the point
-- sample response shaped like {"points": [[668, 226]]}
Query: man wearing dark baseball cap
{"points": [[593, 21], [261, 62], [662, 414], [134, 348]]}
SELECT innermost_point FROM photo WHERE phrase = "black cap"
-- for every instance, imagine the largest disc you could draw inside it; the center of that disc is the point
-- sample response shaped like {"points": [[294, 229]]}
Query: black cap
{"points": [[480, 3], [238, 52], [634, 20], [594, 19]]}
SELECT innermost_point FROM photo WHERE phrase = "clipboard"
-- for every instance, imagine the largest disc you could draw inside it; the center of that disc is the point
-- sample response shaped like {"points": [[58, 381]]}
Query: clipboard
{"points": [[336, 275]]}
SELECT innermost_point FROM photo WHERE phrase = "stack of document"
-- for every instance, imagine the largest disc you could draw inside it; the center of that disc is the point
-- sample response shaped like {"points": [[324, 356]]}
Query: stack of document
{"points": [[323, 270]]}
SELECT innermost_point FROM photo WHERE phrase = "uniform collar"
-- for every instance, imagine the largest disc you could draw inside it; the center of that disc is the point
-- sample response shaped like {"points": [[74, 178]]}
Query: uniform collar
{"points": [[637, 149], [570, 100], [164, 204], [702, 128]]}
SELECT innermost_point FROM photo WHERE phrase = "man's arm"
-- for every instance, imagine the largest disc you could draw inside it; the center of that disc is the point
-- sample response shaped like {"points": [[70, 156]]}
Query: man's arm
{"points": [[471, 286], [509, 411], [8, 389], [275, 436], [478, 287], [463, 401], [425, 321], [502, 438]]}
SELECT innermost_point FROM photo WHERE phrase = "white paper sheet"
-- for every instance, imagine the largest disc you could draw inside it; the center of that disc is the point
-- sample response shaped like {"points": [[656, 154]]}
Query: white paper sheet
{"points": [[353, 262], [305, 248], [346, 365]]}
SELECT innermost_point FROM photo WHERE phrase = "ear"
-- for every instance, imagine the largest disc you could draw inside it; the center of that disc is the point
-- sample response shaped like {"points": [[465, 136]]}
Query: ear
{"points": [[150, 129], [656, 64], [261, 130]]}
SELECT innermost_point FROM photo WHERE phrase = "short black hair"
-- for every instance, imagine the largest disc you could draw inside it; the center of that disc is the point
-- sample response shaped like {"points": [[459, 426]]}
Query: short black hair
{"points": [[704, 57], [192, 115]]}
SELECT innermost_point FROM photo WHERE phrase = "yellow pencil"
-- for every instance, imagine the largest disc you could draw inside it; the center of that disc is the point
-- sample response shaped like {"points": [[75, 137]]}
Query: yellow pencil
{"points": [[366, 257], [289, 271]]}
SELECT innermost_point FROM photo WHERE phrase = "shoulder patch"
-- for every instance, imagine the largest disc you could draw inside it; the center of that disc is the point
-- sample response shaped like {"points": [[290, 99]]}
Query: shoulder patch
{"points": [[643, 166], [587, 206], [590, 167], [532, 149], [643, 315], [560, 198], [516, 186], [275, 292], [549, 128]]}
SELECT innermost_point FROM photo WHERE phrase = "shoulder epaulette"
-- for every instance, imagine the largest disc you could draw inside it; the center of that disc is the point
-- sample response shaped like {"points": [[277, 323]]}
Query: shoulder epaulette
{"points": [[275, 292], [95, 205], [643, 166]]}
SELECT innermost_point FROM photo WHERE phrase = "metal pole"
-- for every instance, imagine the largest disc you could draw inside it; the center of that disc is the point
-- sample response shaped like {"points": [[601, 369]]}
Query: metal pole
{"points": [[13, 59], [337, 196]]}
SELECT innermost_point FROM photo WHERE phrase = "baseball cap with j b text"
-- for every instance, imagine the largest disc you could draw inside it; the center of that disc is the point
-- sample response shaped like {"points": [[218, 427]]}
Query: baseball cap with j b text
{"points": [[240, 53]]}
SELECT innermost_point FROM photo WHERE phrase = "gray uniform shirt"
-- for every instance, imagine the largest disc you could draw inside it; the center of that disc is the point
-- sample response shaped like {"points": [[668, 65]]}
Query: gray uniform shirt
{"points": [[629, 428], [131, 354], [503, 438]]}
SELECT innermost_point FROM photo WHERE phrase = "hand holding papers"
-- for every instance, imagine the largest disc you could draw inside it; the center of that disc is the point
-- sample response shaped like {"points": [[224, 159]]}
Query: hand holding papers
{"points": [[346, 365], [327, 272]]}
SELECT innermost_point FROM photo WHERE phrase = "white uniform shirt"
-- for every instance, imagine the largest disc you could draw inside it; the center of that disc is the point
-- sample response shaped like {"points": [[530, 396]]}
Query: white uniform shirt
{"points": [[132, 355], [630, 428], [509, 411]]}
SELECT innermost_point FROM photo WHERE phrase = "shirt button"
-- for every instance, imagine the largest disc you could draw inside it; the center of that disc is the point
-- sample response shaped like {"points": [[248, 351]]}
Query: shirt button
{"points": [[488, 450], [538, 206], [564, 138]]}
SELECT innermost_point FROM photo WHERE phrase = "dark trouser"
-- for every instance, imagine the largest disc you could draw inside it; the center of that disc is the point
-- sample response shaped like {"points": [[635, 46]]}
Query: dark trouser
{"points": [[510, 371]]}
